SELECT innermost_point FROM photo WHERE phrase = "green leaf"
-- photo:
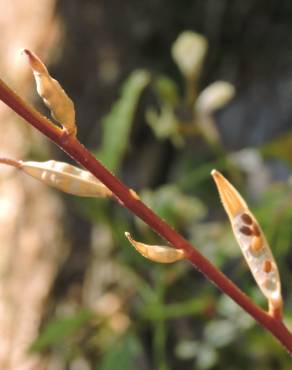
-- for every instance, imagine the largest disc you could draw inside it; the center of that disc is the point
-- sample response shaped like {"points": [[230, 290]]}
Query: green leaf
{"points": [[117, 124], [163, 121], [60, 329], [166, 90], [164, 124], [124, 355]]}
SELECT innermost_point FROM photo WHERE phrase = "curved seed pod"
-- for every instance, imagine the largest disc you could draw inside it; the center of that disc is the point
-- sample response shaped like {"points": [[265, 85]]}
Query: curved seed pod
{"points": [[157, 253], [63, 176], [61, 106], [252, 242]]}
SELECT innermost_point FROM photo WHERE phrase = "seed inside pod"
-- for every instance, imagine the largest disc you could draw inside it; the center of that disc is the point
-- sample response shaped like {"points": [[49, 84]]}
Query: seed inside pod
{"points": [[256, 230], [246, 230], [267, 266], [246, 219], [256, 244], [269, 285]]}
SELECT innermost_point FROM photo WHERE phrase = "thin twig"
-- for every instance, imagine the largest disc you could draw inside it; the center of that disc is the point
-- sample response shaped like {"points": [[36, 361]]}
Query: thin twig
{"points": [[127, 197]]}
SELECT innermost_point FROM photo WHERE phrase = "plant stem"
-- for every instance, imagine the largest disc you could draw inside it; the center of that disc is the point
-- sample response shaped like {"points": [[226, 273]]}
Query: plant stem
{"points": [[159, 327], [130, 200]]}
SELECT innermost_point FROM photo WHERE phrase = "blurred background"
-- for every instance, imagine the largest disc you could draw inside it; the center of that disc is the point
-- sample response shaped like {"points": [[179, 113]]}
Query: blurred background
{"points": [[164, 91]]}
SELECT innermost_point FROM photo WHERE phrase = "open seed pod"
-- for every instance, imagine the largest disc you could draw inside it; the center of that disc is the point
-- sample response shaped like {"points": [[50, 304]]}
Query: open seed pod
{"points": [[63, 176], [252, 242]]}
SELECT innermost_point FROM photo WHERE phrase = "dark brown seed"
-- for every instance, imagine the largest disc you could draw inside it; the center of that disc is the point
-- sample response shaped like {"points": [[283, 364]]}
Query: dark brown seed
{"points": [[246, 230], [256, 230], [267, 266], [246, 219]]}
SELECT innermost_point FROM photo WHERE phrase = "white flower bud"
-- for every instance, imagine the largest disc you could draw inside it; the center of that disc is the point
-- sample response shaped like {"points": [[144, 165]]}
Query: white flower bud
{"points": [[214, 96], [188, 51]]}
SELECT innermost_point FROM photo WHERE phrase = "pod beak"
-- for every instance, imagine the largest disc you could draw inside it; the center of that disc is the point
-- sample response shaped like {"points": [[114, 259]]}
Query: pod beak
{"points": [[35, 63], [230, 198]]}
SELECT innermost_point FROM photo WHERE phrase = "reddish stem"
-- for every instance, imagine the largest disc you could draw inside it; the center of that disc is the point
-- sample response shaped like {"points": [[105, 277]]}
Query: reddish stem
{"points": [[80, 154]]}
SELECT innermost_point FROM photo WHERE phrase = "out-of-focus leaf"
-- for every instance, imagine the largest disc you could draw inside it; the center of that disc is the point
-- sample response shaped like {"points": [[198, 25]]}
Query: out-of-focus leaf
{"points": [[280, 148], [232, 312], [164, 124], [216, 242], [174, 206], [206, 358], [187, 349], [166, 90], [219, 333], [117, 124], [60, 329], [124, 355], [273, 206], [173, 310], [275, 214]]}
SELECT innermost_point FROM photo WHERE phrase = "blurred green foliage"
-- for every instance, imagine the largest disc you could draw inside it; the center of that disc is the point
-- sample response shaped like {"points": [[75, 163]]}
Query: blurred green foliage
{"points": [[117, 124], [164, 318], [125, 354], [61, 329]]}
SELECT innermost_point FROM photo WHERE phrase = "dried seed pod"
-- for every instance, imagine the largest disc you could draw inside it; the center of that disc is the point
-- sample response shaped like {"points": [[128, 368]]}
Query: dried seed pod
{"points": [[157, 253], [63, 176], [252, 242], [61, 106]]}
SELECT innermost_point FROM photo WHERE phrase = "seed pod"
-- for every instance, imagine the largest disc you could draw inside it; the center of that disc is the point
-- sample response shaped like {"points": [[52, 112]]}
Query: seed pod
{"points": [[63, 176], [157, 253], [252, 242], [61, 106]]}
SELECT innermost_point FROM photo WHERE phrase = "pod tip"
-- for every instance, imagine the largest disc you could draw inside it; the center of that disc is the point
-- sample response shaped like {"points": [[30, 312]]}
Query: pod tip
{"points": [[214, 173]]}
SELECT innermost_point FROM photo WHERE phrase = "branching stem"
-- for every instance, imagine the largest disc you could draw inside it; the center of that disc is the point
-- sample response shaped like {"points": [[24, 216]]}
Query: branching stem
{"points": [[127, 197]]}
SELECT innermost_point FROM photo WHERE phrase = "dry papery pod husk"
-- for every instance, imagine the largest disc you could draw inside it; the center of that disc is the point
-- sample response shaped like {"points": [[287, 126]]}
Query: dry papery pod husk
{"points": [[252, 242], [61, 106], [157, 253], [62, 176]]}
